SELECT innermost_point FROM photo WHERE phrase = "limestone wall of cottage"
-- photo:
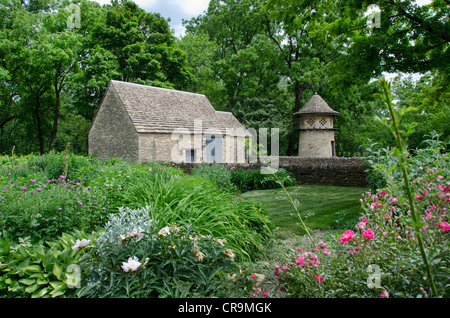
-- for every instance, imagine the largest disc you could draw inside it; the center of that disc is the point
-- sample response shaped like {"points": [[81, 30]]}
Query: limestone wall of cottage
{"points": [[112, 133], [165, 147]]}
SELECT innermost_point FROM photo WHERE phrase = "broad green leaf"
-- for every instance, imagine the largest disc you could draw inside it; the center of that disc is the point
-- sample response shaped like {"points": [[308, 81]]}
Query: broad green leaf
{"points": [[58, 285], [41, 281], [39, 293], [57, 271], [32, 269], [31, 289], [27, 281], [57, 293]]}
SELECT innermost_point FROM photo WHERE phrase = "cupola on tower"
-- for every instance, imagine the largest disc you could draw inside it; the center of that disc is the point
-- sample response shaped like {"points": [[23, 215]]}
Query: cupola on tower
{"points": [[316, 129]]}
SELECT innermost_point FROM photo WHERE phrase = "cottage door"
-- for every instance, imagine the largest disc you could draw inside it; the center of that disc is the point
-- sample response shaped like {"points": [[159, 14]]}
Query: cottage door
{"points": [[213, 149]]}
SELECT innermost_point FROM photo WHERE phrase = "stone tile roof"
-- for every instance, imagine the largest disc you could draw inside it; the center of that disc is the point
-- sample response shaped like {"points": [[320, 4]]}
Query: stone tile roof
{"points": [[315, 106], [161, 110]]}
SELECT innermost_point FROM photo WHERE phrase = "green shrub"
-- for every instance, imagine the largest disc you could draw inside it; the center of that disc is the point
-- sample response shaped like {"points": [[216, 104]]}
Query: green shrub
{"points": [[219, 174], [43, 209], [55, 164], [248, 180], [136, 256]]}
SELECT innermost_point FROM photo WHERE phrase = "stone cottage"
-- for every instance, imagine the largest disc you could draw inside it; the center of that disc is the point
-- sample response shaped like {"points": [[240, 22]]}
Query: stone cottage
{"points": [[143, 123], [316, 129]]}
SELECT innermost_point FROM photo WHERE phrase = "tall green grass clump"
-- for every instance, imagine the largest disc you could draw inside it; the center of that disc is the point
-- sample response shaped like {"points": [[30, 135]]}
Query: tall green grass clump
{"points": [[196, 201]]}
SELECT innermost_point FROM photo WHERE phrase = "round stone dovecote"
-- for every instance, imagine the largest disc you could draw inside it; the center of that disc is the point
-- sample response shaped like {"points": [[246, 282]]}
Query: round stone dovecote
{"points": [[316, 129]]}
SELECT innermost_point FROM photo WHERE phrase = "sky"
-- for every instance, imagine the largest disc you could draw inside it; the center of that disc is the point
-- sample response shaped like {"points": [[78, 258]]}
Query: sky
{"points": [[176, 10]]}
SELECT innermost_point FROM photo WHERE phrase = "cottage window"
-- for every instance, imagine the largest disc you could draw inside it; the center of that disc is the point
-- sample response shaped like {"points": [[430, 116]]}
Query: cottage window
{"points": [[190, 155], [213, 149]]}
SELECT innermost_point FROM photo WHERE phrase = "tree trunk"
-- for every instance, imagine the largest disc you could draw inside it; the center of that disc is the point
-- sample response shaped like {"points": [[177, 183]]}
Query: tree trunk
{"points": [[293, 136], [55, 118], [39, 125]]}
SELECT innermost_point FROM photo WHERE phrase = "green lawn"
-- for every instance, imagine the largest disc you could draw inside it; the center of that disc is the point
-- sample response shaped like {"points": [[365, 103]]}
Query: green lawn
{"points": [[322, 207]]}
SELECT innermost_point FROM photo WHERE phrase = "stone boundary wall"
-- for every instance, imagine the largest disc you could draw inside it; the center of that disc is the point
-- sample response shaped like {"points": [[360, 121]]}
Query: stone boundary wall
{"points": [[336, 171]]}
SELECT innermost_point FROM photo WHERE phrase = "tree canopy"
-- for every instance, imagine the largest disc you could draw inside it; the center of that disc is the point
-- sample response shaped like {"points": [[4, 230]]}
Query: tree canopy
{"points": [[261, 60]]}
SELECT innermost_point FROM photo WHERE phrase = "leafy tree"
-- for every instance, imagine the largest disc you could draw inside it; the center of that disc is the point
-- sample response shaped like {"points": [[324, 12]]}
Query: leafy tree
{"points": [[53, 75], [410, 37], [143, 46], [429, 96]]}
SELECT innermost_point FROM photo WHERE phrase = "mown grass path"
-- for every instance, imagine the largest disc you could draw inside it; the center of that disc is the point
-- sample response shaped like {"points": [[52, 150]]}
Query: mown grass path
{"points": [[322, 207]]}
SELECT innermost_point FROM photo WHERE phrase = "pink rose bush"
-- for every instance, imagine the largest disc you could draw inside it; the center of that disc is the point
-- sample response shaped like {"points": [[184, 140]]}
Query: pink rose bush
{"points": [[384, 236]]}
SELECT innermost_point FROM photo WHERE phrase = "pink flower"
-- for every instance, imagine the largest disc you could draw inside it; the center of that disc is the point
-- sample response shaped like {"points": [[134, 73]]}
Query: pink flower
{"points": [[276, 270], [368, 234], [361, 225], [382, 193], [346, 236], [394, 200], [364, 220], [424, 192], [253, 276], [373, 205], [321, 244], [443, 227], [328, 251], [418, 197], [79, 202], [266, 294], [320, 279], [384, 294]]}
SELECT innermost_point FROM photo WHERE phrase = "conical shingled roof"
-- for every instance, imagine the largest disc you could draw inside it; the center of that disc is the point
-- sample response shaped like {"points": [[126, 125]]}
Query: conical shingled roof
{"points": [[315, 106]]}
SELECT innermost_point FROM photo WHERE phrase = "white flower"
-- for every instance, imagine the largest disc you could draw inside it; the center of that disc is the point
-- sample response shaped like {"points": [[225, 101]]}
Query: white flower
{"points": [[80, 244], [132, 264], [164, 231], [136, 233]]}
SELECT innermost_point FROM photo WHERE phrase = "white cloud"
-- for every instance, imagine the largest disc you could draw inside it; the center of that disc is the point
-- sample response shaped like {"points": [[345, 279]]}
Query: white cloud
{"points": [[138, 2], [176, 10], [193, 7]]}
